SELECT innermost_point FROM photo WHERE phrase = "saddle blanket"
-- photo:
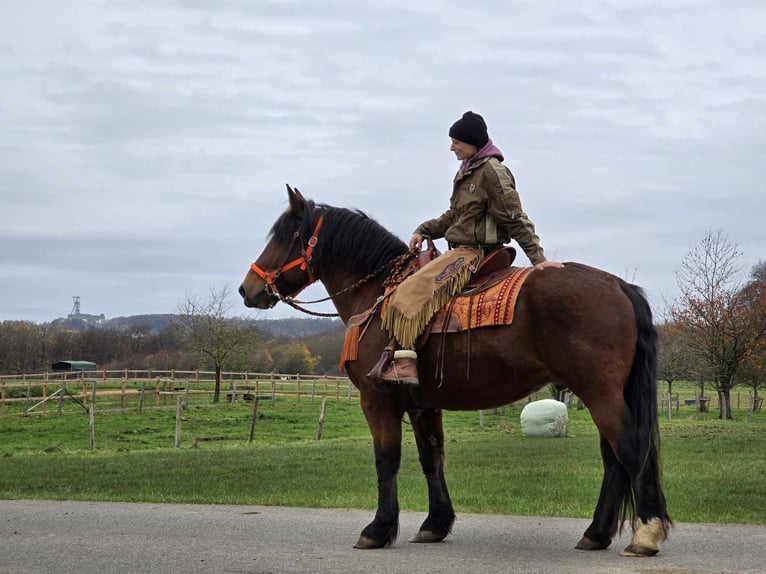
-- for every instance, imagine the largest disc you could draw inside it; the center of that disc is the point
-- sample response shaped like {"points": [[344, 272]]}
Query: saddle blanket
{"points": [[484, 305], [481, 307]]}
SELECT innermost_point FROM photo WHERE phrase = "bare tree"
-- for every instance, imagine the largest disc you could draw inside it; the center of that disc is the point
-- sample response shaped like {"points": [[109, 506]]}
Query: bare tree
{"points": [[675, 359], [752, 368], [210, 333], [752, 374], [713, 308]]}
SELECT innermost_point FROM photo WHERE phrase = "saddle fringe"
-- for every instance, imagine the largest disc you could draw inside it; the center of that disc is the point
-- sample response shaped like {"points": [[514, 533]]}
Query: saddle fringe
{"points": [[350, 349], [406, 329]]}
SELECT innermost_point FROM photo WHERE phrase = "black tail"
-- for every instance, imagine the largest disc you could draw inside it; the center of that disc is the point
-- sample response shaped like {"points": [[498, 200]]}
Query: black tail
{"points": [[646, 499]]}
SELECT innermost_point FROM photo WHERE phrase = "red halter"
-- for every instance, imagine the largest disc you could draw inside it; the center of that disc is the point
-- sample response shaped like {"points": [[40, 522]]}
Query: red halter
{"points": [[304, 261]]}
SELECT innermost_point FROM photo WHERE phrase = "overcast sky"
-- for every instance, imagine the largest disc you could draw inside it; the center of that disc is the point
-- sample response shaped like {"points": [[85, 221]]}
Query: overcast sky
{"points": [[144, 145]]}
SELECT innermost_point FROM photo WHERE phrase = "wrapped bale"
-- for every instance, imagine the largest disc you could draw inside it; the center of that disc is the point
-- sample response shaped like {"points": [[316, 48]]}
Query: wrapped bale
{"points": [[544, 418]]}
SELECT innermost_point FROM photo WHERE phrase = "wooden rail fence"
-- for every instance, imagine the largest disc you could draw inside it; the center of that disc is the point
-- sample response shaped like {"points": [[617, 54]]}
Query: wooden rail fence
{"points": [[144, 389], [131, 389]]}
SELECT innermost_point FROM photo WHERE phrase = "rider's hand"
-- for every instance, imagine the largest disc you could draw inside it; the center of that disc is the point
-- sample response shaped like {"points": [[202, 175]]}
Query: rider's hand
{"points": [[543, 264], [416, 241]]}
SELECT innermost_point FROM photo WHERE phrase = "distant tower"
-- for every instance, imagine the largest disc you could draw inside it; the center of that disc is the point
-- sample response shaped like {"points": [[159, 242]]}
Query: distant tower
{"points": [[76, 308], [85, 317]]}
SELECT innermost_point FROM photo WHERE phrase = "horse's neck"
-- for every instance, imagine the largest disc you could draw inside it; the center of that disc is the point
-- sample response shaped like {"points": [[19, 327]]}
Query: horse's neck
{"points": [[350, 300]]}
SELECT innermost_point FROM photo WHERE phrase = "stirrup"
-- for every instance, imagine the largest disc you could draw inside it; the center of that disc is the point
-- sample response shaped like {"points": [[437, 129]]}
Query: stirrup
{"points": [[375, 375]]}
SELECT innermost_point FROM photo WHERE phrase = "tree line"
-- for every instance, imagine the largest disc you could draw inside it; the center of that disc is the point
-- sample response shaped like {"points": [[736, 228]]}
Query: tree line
{"points": [[199, 336]]}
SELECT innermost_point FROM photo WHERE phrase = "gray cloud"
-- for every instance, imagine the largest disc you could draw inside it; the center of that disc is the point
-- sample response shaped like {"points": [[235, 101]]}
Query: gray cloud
{"points": [[150, 142]]}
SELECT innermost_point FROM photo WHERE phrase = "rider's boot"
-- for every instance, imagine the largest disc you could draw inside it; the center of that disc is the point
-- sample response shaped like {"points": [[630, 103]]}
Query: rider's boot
{"points": [[396, 366], [403, 369]]}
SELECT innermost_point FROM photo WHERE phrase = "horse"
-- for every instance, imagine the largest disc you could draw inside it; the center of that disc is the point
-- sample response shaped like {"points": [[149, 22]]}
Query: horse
{"points": [[575, 326]]}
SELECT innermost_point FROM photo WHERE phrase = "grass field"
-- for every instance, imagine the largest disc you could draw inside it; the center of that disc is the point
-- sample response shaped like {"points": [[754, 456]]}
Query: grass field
{"points": [[714, 471]]}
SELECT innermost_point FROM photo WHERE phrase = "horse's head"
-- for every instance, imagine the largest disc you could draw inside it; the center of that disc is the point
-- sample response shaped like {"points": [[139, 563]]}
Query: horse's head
{"points": [[283, 269]]}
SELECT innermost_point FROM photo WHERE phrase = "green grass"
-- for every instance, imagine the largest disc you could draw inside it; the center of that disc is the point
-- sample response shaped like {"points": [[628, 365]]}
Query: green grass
{"points": [[714, 471]]}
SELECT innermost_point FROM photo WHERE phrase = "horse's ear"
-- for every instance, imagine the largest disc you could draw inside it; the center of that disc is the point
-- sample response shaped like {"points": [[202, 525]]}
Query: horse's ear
{"points": [[296, 200]]}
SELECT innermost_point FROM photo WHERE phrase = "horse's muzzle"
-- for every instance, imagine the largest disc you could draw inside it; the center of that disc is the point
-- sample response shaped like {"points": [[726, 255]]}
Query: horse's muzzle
{"points": [[264, 299]]}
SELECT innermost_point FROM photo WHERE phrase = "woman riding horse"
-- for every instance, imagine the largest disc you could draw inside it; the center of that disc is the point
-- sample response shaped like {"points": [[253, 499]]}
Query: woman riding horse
{"points": [[575, 325], [484, 213]]}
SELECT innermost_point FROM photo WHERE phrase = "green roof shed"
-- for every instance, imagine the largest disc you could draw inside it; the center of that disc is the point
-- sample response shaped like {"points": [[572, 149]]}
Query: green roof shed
{"points": [[73, 366]]}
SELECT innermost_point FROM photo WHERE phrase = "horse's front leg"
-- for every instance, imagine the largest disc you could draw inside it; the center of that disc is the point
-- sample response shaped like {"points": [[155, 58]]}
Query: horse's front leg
{"points": [[429, 436], [386, 428]]}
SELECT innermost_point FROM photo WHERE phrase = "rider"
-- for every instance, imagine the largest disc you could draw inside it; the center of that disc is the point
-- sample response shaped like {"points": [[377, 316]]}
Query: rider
{"points": [[485, 212]]}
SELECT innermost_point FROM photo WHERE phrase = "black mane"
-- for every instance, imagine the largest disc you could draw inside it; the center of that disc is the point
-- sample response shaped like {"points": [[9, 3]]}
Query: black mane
{"points": [[348, 237]]}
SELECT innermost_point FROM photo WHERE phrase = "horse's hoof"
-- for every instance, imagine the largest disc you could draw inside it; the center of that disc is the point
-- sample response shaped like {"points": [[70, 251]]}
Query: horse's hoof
{"points": [[641, 551], [367, 543], [586, 543], [426, 537], [647, 538]]}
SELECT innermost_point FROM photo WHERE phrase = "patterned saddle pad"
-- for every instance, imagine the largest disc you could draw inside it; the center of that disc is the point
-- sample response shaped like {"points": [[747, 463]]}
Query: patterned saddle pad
{"points": [[484, 305]]}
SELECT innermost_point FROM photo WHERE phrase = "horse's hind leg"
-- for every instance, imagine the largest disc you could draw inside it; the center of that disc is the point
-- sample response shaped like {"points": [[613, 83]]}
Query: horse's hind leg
{"points": [[614, 488], [631, 483], [651, 528], [429, 436]]}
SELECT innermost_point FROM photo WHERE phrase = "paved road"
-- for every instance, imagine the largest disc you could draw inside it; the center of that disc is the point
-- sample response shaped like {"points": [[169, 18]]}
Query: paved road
{"points": [[97, 538]]}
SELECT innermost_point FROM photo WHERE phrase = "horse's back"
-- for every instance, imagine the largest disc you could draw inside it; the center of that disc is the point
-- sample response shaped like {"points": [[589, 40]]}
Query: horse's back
{"points": [[575, 293], [572, 324]]}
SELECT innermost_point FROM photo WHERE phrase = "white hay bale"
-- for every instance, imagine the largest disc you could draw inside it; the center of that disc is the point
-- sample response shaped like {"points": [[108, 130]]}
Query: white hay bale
{"points": [[544, 418]]}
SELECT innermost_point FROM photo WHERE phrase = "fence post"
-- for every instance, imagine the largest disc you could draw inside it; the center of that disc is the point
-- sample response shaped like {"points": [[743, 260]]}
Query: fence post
{"points": [[348, 401], [481, 419], [670, 406], [320, 426], [29, 394], [179, 406], [141, 398], [255, 417], [61, 397], [92, 426]]}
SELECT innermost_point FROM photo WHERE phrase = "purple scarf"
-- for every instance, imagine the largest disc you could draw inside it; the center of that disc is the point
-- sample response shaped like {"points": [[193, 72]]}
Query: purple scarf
{"points": [[489, 150]]}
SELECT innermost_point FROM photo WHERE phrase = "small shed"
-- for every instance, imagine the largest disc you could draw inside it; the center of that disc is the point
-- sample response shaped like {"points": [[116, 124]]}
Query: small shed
{"points": [[73, 366]]}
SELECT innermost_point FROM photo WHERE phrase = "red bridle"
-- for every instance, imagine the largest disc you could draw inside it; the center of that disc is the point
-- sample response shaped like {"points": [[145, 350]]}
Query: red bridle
{"points": [[304, 262]]}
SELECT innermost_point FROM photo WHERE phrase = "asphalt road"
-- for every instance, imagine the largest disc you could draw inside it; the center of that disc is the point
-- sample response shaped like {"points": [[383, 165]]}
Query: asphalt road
{"points": [[96, 538]]}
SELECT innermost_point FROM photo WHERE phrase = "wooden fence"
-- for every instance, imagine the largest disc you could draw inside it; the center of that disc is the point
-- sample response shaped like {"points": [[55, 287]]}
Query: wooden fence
{"points": [[672, 405], [129, 389]]}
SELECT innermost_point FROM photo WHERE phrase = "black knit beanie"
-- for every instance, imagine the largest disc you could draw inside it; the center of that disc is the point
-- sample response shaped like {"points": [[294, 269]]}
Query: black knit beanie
{"points": [[470, 129]]}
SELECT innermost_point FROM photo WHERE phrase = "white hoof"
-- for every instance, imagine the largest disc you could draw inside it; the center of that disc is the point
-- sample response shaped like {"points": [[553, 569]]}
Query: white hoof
{"points": [[647, 538]]}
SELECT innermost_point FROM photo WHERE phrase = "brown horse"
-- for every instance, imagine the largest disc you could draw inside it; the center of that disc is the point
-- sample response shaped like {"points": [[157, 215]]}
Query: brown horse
{"points": [[574, 325]]}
